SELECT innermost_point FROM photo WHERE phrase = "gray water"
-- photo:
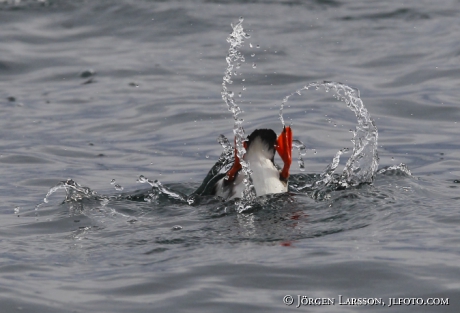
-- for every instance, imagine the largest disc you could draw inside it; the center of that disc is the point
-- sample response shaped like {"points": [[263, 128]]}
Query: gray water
{"points": [[98, 91]]}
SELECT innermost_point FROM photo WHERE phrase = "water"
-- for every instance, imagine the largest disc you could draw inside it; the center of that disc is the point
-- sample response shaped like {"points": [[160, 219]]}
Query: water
{"points": [[92, 92], [362, 165], [234, 59]]}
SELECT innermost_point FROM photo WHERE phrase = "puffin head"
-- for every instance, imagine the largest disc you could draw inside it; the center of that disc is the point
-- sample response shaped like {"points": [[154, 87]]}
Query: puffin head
{"points": [[262, 142]]}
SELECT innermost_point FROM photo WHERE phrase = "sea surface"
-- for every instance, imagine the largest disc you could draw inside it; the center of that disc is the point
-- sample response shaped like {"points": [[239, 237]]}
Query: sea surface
{"points": [[94, 94]]}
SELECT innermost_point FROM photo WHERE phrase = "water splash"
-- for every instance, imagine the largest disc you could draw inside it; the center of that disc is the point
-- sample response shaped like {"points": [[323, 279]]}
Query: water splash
{"points": [[74, 191], [302, 152], [362, 165], [223, 141], [234, 56], [117, 187], [158, 190], [400, 169], [326, 177]]}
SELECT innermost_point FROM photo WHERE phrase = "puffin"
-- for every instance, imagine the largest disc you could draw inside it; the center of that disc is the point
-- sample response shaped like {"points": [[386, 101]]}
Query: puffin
{"points": [[267, 178]]}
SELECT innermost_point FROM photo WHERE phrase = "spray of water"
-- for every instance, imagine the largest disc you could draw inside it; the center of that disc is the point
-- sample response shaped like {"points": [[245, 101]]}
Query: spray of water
{"points": [[73, 190], [234, 57], [362, 165], [158, 189], [296, 143], [400, 169]]}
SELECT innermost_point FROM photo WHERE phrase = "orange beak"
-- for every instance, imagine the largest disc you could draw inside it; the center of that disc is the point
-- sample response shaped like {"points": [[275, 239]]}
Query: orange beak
{"points": [[284, 148]]}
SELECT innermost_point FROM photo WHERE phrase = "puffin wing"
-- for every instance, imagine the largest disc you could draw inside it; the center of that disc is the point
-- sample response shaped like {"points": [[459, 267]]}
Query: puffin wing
{"points": [[218, 171]]}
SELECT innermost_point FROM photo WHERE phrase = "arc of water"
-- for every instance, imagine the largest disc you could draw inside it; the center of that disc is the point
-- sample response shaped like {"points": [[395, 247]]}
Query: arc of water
{"points": [[362, 164]]}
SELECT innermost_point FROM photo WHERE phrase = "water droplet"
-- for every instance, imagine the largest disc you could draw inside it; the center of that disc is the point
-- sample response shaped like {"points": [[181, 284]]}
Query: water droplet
{"points": [[244, 79], [257, 46], [191, 200], [250, 45], [113, 181], [241, 19], [244, 88], [253, 55], [176, 227], [239, 94], [254, 65], [207, 156], [118, 187], [16, 210]]}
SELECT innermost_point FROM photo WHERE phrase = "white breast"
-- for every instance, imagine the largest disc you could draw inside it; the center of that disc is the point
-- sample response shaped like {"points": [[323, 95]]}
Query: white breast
{"points": [[265, 176]]}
